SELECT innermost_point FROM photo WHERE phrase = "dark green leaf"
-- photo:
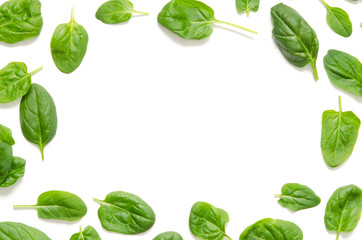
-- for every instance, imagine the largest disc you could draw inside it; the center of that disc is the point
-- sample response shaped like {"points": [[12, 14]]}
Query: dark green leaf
{"points": [[15, 81], [338, 20], [124, 212], [38, 117], [343, 210], [168, 236], [190, 19], [247, 6], [6, 157], [208, 222], [272, 229], [339, 135], [116, 11], [344, 71], [16, 171], [296, 40], [297, 197], [69, 45], [6, 135], [20, 20], [19, 231], [89, 233], [59, 205]]}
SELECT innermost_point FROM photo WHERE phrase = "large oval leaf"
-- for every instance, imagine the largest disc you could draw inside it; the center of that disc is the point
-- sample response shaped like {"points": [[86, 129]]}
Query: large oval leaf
{"points": [[124, 212], [6, 135], [247, 6], [168, 236], [38, 117], [19, 231], [343, 210], [17, 170], [6, 157], [89, 233], [272, 229]]}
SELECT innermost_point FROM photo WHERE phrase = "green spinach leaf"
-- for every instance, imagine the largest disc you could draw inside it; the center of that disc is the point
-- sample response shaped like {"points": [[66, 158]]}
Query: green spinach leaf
{"points": [[89, 233], [168, 236], [339, 135], [38, 117], [272, 229], [69, 45], [15, 81], [20, 20], [344, 71], [124, 212], [116, 11], [208, 222], [6, 135], [338, 20], [59, 205], [17, 170], [343, 210], [20, 231], [297, 197], [247, 6], [296, 40], [190, 19], [6, 157]]}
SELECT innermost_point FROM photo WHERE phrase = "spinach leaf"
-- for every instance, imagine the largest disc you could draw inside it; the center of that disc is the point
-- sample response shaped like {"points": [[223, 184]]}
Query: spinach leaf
{"points": [[344, 71], [190, 19], [69, 45], [59, 205], [247, 6], [15, 81], [338, 20], [297, 197], [89, 233], [343, 210], [116, 11], [6, 157], [20, 20], [168, 236], [124, 212], [339, 135], [272, 229], [20, 231], [6, 135], [38, 117], [17, 170], [296, 40], [208, 222]]}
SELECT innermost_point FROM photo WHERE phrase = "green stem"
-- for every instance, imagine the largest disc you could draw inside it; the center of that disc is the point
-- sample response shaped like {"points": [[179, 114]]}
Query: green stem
{"points": [[24, 206], [340, 103], [237, 26], [338, 233], [228, 237], [144, 13], [36, 70], [72, 16], [247, 12], [42, 153], [315, 72], [325, 4], [278, 195], [81, 232], [97, 200]]}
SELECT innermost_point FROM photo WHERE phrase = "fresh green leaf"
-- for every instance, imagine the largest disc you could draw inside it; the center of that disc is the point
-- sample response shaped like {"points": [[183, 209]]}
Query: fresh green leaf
{"points": [[89, 233], [190, 19], [20, 20], [297, 197], [16, 171], [272, 229], [6, 157], [339, 135], [338, 20], [15, 81], [69, 45], [59, 205], [168, 236], [124, 212], [343, 210], [208, 222], [6, 135], [247, 6], [344, 71], [19, 231], [116, 11], [296, 40], [38, 117]]}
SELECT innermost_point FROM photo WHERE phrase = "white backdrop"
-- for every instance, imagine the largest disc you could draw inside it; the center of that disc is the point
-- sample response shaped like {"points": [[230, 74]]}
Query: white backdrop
{"points": [[226, 120]]}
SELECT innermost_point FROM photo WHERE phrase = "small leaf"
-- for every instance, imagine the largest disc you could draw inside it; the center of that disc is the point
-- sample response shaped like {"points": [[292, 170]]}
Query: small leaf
{"points": [[6, 135], [19, 231], [338, 20], [126, 213], [168, 236], [89, 233], [16, 171], [247, 6], [297, 197], [6, 158]]}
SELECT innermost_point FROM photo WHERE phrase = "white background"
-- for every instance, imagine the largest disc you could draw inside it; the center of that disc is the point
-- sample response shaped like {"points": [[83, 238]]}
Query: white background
{"points": [[226, 120]]}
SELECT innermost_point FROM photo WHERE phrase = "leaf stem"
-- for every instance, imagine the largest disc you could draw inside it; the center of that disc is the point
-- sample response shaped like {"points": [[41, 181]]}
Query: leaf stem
{"points": [[325, 4], [228, 236], [340, 103], [97, 200], [338, 233], [278, 195], [237, 26], [24, 206], [144, 13], [315, 72], [36, 70], [72, 16], [42, 152]]}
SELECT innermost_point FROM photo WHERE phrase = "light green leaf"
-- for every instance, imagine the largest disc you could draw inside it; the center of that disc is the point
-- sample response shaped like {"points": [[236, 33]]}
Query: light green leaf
{"points": [[19, 231], [247, 6]]}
